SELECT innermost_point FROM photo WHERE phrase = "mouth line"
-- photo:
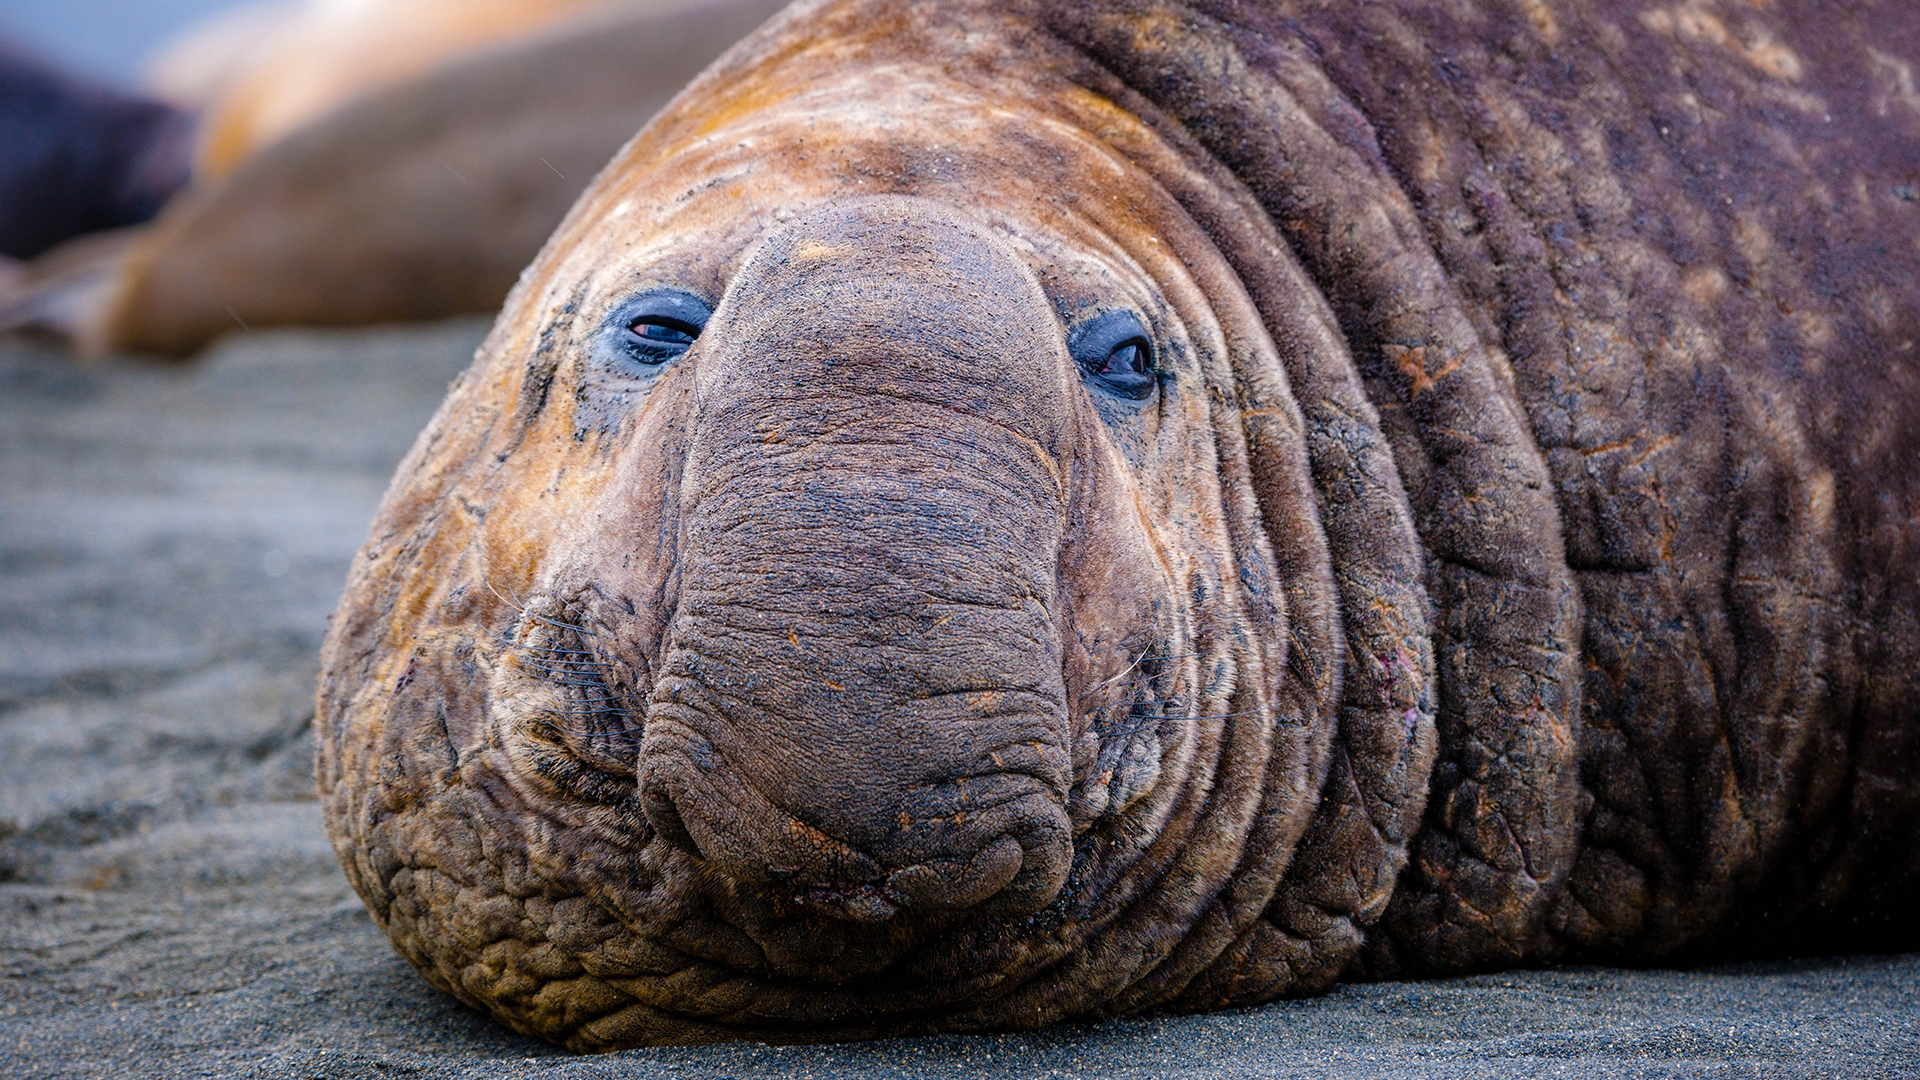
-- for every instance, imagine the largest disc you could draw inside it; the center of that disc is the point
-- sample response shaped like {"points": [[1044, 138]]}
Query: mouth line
{"points": [[950, 884], [859, 902]]}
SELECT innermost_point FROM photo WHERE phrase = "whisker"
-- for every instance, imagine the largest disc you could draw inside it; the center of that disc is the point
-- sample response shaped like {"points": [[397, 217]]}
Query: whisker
{"points": [[1127, 647], [555, 649], [560, 625], [585, 679], [1231, 715], [522, 609], [624, 714], [581, 675], [587, 709], [551, 655], [1105, 648], [511, 601], [578, 734]]}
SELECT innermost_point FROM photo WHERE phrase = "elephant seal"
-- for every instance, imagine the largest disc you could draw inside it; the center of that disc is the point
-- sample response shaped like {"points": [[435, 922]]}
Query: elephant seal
{"points": [[331, 194], [1005, 510]]}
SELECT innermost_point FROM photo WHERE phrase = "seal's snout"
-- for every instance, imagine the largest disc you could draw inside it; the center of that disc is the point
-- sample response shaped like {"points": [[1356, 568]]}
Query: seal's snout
{"points": [[1009, 855]]}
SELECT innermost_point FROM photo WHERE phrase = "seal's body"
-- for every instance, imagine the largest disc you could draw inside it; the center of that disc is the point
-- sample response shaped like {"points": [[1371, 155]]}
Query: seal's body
{"points": [[994, 512], [326, 53], [421, 201]]}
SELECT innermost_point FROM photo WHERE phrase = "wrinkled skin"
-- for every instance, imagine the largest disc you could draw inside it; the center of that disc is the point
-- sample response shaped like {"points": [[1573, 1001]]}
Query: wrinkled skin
{"points": [[1511, 559]]}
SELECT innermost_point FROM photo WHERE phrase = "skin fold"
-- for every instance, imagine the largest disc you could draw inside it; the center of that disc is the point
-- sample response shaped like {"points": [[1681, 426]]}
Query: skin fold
{"points": [[809, 620]]}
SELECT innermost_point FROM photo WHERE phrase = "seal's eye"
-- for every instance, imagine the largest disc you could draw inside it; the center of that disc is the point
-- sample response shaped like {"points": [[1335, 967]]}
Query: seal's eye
{"points": [[1115, 353], [660, 325], [661, 339]]}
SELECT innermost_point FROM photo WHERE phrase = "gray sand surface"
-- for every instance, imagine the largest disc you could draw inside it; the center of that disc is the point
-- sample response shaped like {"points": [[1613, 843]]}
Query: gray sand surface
{"points": [[171, 541]]}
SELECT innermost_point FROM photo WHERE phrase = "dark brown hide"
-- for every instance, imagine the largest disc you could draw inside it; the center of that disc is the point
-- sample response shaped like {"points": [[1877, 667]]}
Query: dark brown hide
{"points": [[1513, 560]]}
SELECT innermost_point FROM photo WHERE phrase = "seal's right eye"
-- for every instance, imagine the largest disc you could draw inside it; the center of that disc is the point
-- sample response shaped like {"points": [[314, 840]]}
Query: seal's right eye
{"points": [[660, 325], [658, 339]]}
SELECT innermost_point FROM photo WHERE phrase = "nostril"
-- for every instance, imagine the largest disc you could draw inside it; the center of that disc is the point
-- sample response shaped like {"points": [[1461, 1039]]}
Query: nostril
{"points": [[656, 802], [958, 883], [1046, 854]]}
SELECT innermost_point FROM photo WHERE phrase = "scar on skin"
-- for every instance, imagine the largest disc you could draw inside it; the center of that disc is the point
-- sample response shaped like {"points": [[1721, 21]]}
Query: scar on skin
{"points": [[1412, 362], [1541, 16], [814, 249], [1692, 20]]}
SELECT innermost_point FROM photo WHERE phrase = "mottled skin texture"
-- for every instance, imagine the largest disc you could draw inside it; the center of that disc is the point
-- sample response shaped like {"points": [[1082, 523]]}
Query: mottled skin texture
{"points": [[1515, 562]]}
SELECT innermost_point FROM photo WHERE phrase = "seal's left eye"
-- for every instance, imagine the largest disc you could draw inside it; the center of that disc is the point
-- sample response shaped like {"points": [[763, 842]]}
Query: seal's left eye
{"points": [[1115, 353], [660, 325]]}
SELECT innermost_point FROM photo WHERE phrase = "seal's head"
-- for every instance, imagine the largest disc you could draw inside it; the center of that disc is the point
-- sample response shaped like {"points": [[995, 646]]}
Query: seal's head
{"points": [[848, 593]]}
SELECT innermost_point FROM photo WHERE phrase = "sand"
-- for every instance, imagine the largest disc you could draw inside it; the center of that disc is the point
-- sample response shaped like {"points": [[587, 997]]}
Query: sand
{"points": [[171, 542]]}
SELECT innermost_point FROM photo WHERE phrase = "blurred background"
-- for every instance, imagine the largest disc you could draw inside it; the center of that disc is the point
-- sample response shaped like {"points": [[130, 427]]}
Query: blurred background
{"points": [[106, 39], [441, 141]]}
